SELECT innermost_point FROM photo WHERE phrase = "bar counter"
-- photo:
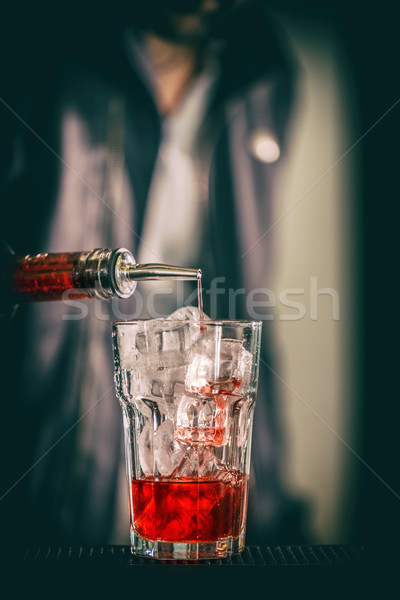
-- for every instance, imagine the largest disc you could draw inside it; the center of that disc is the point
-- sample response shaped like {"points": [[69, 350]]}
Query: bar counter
{"points": [[284, 571], [268, 557]]}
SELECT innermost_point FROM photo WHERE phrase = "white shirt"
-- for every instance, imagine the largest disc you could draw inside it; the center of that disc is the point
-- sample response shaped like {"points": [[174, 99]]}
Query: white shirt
{"points": [[177, 203]]}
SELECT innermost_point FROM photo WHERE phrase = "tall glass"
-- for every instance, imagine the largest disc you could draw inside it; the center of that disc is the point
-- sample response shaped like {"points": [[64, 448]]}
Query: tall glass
{"points": [[187, 391]]}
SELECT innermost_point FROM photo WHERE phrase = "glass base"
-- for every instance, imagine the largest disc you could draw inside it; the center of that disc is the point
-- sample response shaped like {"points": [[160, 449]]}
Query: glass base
{"points": [[186, 550]]}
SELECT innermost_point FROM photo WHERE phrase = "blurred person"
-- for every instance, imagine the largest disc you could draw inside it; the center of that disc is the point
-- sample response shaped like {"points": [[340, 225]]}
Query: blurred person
{"points": [[141, 129]]}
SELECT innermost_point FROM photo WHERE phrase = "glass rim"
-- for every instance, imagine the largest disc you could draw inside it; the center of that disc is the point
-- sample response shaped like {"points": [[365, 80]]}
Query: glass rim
{"points": [[214, 322]]}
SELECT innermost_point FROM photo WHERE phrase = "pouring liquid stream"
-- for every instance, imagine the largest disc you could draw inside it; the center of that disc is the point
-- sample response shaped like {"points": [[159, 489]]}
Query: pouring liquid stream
{"points": [[200, 295]]}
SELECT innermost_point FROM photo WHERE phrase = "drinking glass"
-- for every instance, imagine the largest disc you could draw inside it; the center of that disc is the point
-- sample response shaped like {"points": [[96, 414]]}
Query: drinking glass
{"points": [[187, 390]]}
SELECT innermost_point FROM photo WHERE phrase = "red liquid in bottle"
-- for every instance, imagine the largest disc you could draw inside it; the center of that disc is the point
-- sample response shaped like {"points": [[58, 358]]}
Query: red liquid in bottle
{"points": [[48, 276], [188, 510]]}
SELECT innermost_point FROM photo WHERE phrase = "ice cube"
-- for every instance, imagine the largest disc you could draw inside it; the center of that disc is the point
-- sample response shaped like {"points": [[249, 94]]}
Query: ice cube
{"points": [[186, 313], [218, 365], [168, 384], [141, 342], [201, 462], [168, 452], [195, 419], [152, 343], [145, 443], [127, 350], [159, 345], [159, 452]]}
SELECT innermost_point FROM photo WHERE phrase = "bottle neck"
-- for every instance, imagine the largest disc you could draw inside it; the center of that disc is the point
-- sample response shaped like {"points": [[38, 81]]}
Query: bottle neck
{"points": [[104, 272], [101, 273], [71, 275]]}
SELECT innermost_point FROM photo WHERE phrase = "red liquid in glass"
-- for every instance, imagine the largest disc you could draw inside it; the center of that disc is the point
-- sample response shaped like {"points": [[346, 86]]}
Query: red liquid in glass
{"points": [[189, 510], [48, 276]]}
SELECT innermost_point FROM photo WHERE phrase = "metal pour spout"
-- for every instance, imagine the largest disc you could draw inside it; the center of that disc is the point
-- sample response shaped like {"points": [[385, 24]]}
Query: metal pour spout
{"points": [[153, 271]]}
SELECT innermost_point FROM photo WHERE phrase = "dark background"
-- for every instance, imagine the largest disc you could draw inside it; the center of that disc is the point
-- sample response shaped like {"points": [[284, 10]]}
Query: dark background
{"points": [[370, 36]]}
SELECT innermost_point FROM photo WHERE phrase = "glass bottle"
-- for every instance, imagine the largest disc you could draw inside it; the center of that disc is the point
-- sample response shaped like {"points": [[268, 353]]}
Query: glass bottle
{"points": [[101, 273]]}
